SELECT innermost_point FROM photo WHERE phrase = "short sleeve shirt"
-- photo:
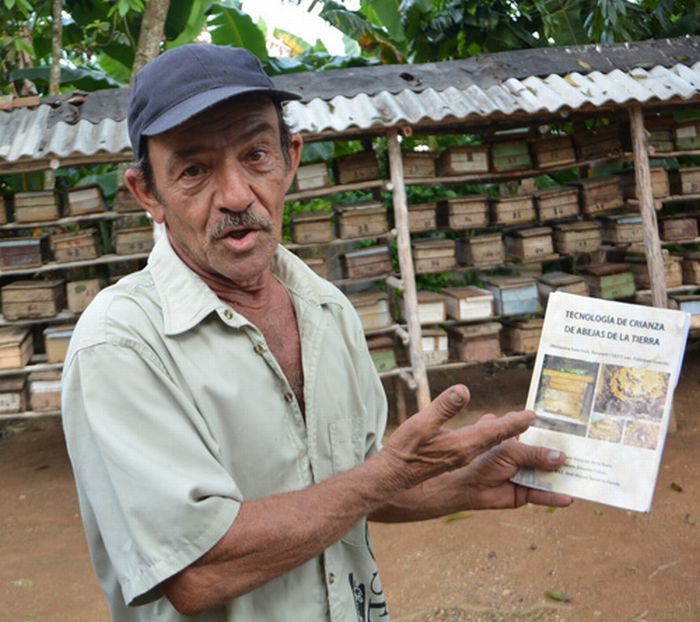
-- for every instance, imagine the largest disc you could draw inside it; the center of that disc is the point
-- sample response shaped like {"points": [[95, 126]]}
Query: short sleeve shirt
{"points": [[175, 412]]}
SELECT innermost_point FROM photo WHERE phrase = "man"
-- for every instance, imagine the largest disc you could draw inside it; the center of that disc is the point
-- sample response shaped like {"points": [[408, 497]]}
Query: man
{"points": [[221, 410]]}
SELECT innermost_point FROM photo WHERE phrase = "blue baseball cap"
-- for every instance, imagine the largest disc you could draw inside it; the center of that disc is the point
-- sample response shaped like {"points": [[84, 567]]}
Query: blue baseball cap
{"points": [[186, 80]]}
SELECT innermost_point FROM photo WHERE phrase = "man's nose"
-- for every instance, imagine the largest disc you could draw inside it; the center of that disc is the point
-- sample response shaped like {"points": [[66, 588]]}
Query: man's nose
{"points": [[233, 189]]}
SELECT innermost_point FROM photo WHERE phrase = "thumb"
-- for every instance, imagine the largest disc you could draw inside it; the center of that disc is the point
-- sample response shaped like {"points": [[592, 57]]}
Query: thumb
{"points": [[447, 405]]}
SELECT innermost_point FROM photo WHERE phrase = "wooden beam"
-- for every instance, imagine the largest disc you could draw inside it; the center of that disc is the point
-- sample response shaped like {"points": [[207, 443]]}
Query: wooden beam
{"points": [[407, 272]]}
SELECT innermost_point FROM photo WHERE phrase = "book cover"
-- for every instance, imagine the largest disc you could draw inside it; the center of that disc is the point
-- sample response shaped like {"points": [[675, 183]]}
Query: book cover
{"points": [[602, 387]]}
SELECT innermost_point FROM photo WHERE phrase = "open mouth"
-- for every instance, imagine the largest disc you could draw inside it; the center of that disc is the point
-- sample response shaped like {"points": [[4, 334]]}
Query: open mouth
{"points": [[240, 234]]}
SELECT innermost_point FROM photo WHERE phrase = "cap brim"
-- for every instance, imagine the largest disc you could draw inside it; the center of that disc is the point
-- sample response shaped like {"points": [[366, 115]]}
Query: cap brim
{"points": [[192, 106]]}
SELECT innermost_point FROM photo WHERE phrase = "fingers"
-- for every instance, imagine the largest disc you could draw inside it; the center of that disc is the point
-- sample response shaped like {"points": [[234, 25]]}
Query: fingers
{"points": [[539, 457], [446, 405], [551, 499]]}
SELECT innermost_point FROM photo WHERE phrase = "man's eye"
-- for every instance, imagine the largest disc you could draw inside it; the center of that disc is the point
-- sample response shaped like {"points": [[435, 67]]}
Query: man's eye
{"points": [[257, 155], [192, 171]]}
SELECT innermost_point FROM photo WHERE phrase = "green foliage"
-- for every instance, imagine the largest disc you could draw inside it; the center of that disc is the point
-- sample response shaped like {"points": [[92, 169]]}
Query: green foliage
{"points": [[230, 26]]}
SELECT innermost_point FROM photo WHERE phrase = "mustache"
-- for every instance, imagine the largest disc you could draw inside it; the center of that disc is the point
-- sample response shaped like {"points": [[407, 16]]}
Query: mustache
{"points": [[239, 220]]}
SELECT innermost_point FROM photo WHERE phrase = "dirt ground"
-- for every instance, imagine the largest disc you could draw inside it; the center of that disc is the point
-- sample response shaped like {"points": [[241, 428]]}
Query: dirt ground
{"points": [[610, 565]]}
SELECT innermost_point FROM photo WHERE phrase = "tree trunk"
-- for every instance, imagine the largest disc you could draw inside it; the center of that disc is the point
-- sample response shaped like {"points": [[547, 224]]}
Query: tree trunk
{"points": [[151, 34], [56, 40]]}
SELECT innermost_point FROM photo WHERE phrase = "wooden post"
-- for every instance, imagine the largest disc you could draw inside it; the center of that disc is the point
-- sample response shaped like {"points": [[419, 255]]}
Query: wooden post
{"points": [[642, 175], [408, 277]]}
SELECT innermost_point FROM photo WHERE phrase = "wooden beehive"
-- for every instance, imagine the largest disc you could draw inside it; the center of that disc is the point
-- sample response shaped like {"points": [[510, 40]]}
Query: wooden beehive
{"points": [[678, 228], [460, 213], [319, 265], [481, 250], [361, 219], [510, 155], [24, 252], [56, 340], [560, 282], [687, 135], [4, 209], [672, 269], [372, 307], [610, 281], [38, 206], [553, 151], [477, 343], [45, 391], [422, 217], [513, 295], [577, 237], [565, 392], [134, 240], [688, 302], [74, 246], [623, 229], [660, 134], [367, 262], [691, 269], [556, 203], [517, 210], [522, 336], [600, 194], [85, 200], [381, 349], [79, 294], [434, 343], [464, 160], [598, 143], [659, 183], [362, 166], [468, 303], [16, 347], [32, 299], [529, 243], [311, 176], [433, 255], [124, 201], [431, 307], [312, 227], [689, 180], [418, 164], [14, 395]]}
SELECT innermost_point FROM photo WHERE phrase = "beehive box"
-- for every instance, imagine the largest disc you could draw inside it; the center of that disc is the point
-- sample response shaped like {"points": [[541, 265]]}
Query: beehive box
{"points": [[312, 227], [564, 392], [560, 282], [517, 210], [553, 151], [124, 201], [39, 206], [311, 176], [4, 209], [434, 343], [673, 272], [529, 243], [610, 281], [14, 394], [660, 134], [556, 203], [381, 349], [361, 219], [513, 295], [460, 213], [600, 194], [689, 180], [623, 229], [355, 167], [74, 246], [80, 293], [464, 160], [133, 240], [16, 347], [660, 188], [85, 200], [433, 255], [32, 299], [56, 339], [577, 237], [422, 217], [678, 228], [481, 250], [477, 343], [319, 265], [372, 307], [687, 135], [688, 302], [510, 155], [691, 269], [468, 303], [599, 143], [522, 336], [45, 391], [24, 252], [367, 262], [431, 307], [418, 164]]}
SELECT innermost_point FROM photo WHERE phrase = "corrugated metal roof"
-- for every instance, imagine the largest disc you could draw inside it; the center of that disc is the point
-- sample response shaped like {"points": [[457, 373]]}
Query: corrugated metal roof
{"points": [[30, 138]]}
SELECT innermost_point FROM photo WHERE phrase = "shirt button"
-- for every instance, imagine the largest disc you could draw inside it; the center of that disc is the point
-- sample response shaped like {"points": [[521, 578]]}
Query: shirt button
{"points": [[331, 578], [259, 348], [228, 314], [289, 397]]}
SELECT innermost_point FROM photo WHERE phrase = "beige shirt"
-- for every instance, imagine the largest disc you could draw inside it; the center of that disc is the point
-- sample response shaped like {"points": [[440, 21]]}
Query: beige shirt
{"points": [[175, 412]]}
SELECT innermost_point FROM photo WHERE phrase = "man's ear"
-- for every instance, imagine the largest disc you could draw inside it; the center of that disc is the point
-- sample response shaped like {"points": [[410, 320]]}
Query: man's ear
{"points": [[295, 146], [137, 185]]}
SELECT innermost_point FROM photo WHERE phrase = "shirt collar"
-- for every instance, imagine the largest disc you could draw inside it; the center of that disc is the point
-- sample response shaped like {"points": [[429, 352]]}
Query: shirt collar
{"points": [[186, 299]]}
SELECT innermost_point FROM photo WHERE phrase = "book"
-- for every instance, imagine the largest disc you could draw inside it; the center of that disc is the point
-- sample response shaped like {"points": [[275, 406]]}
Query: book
{"points": [[602, 389]]}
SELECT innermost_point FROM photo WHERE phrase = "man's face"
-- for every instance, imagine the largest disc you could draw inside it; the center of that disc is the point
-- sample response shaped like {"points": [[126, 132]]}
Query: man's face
{"points": [[221, 179]]}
